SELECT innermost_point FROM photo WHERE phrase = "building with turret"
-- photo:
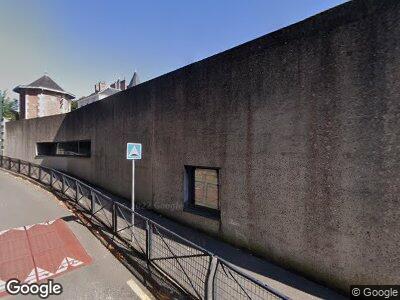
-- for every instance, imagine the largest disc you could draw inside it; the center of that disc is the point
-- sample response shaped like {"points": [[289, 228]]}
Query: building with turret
{"points": [[43, 97]]}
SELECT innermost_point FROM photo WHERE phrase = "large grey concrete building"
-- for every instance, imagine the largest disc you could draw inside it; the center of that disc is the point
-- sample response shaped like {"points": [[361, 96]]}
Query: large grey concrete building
{"points": [[287, 145]]}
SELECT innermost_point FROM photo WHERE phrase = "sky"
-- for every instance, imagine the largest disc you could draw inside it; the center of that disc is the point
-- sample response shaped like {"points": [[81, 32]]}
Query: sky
{"points": [[81, 42]]}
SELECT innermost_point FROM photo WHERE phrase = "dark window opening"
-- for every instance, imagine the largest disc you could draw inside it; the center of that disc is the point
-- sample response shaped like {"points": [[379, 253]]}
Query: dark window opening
{"points": [[202, 190], [46, 149], [67, 148], [73, 148]]}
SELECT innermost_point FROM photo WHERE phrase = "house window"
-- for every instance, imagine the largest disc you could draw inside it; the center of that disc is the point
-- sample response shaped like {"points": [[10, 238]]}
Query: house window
{"points": [[202, 190], [70, 148]]}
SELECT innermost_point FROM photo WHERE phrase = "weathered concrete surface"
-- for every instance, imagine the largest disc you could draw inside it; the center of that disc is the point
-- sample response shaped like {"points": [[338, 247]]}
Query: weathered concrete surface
{"points": [[22, 203], [304, 124]]}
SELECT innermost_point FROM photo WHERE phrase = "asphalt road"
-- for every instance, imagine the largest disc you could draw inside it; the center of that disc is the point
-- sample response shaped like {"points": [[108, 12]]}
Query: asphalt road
{"points": [[23, 203]]}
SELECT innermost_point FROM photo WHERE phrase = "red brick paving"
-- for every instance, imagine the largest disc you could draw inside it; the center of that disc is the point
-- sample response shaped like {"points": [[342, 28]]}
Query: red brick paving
{"points": [[37, 252]]}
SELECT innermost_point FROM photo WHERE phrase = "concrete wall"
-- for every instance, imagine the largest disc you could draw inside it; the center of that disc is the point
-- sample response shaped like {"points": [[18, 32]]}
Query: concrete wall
{"points": [[304, 124]]}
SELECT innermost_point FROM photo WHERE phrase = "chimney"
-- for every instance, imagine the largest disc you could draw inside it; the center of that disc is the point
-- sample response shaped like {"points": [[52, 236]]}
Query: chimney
{"points": [[101, 85], [119, 85], [122, 85]]}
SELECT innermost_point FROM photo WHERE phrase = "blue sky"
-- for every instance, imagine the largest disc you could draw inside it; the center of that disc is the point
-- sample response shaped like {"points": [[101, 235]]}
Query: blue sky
{"points": [[81, 42]]}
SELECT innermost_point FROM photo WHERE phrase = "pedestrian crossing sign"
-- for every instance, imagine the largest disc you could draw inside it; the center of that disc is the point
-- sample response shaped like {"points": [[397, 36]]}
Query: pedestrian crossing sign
{"points": [[133, 151]]}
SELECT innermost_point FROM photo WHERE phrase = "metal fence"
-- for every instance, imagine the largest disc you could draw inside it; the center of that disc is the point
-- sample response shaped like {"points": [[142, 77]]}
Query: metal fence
{"points": [[198, 272]]}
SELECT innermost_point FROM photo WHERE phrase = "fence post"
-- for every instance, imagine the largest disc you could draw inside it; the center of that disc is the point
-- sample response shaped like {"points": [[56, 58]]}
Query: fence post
{"points": [[51, 178], [114, 217], [76, 191], [92, 201], [9, 163], [62, 183], [148, 240], [40, 174], [210, 293], [19, 166]]}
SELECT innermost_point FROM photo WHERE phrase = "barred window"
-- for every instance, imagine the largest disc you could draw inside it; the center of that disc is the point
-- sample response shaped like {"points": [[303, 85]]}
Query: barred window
{"points": [[206, 188], [202, 190]]}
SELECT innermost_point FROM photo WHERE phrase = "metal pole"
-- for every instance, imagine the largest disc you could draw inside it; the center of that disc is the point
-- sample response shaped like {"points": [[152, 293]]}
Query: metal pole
{"points": [[76, 191], [114, 218], [148, 240], [92, 202], [133, 198], [133, 184], [210, 292]]}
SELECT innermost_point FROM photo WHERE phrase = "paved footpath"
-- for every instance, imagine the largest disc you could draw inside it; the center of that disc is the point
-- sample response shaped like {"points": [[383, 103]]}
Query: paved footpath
{"points": [[23, 203]]}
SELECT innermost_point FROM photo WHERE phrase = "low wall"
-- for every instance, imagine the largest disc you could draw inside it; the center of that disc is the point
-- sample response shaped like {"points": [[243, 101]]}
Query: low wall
{"points": [[303, 124]]}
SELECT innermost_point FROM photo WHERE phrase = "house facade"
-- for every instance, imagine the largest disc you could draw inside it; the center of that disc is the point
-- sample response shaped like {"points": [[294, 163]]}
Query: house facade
{"points": [[97, 95], [103, 90], [43, 97]]}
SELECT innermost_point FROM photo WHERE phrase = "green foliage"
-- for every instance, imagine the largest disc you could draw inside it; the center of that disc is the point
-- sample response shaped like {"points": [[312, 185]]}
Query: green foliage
{"points": [[74, 105], [8, 107]]}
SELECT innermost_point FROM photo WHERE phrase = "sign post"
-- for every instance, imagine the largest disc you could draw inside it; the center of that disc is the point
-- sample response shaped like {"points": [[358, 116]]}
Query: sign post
{"points": [[133, 152]]}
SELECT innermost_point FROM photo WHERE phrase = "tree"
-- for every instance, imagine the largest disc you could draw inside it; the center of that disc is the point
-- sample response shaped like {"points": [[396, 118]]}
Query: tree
{"points": [[74, 105], [8, 107]]}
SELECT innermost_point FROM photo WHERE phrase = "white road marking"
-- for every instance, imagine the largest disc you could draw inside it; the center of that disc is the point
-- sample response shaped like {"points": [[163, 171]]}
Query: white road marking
{"points": [[138, 290], [74, 262], [43, 273], [2, 285], [31, 277], [63, 266]]}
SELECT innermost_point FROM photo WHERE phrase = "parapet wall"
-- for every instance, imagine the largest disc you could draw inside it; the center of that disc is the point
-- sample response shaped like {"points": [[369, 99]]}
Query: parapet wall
{"points": [[303, 124]]}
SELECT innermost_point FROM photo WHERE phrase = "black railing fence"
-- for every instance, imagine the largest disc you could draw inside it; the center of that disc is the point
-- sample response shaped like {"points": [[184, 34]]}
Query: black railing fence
{"points": [[198, 272]]}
